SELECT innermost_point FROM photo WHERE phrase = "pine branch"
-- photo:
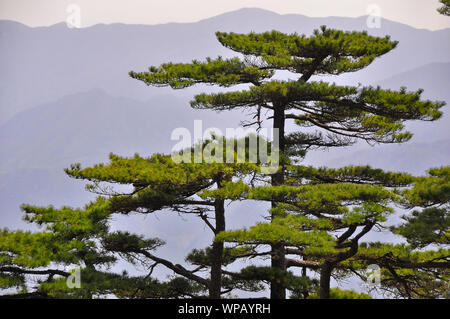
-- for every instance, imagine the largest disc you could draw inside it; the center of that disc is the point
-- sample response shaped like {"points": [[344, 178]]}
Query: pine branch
{"points": [[17, 270]]}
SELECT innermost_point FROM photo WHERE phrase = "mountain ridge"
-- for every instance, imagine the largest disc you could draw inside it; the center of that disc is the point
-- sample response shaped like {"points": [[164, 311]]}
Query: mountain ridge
{"points": [[247, 10], [44, 63]]}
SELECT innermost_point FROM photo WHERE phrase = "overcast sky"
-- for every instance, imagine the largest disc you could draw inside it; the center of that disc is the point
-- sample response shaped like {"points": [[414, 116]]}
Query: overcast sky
{"points": [[417, 13]]}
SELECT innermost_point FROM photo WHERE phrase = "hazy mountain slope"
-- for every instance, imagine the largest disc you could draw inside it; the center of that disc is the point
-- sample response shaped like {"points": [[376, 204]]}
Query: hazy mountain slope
{"points": [[42, 64], [38, 187], [430, 145], [414, 158], [88, 126], [434, 79]]}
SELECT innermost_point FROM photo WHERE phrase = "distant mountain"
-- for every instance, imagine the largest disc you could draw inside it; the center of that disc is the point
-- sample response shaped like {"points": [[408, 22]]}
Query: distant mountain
{"points": [[40, 65], [434, 78]]}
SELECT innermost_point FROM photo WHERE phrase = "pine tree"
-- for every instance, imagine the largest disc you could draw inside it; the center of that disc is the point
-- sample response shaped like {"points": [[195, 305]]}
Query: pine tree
{"points": [[340, 114]]}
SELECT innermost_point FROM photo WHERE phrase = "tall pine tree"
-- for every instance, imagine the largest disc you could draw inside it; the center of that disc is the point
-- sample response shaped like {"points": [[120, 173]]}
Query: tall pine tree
{"points": [[340, 114]]}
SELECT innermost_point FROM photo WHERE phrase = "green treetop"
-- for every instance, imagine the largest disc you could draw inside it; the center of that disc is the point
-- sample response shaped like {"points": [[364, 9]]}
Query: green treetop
{"points": [[445, 9], [355, 112]]}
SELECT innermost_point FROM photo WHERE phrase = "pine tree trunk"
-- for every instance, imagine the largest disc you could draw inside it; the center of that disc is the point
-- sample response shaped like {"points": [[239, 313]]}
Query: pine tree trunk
{"points": [[305, 276], [277, 289], [217, 253], [325, 277]]}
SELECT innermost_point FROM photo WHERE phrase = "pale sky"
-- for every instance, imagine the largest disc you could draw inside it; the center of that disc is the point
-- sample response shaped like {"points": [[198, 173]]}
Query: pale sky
{"points": [[417, 13]]}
